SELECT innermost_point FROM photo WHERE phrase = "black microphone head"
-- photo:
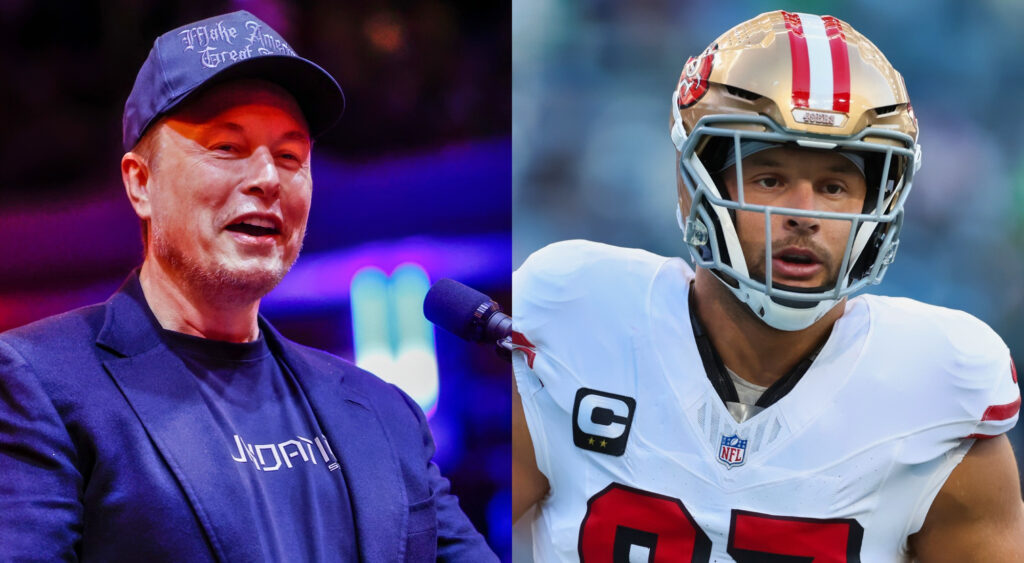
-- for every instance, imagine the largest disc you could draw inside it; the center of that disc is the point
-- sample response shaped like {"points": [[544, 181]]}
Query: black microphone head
{"points": [[453, 307]]}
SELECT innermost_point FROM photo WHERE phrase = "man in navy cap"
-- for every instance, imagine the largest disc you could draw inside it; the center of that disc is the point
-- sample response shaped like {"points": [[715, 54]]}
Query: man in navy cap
{"points": [[172, 422]]}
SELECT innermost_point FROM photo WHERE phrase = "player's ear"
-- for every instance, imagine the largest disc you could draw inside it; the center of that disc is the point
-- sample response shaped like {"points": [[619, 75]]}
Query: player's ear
{"points": [[136, 175]]}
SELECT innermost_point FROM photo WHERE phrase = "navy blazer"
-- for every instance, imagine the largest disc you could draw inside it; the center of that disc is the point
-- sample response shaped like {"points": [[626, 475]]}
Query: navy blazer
{"points": [[108, 452]]}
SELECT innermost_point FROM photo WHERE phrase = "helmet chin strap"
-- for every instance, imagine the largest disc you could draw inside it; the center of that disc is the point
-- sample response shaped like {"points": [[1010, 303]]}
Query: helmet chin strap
{"points": [[781, 316]]}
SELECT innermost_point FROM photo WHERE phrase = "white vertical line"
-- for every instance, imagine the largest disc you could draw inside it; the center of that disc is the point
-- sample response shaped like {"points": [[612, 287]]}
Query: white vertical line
{"points": [[820, 54]]}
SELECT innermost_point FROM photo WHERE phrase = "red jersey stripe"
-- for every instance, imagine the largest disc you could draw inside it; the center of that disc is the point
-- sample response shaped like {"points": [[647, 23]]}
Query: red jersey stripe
{"points": [[840, 64], [1002, 412], [800, 59]]}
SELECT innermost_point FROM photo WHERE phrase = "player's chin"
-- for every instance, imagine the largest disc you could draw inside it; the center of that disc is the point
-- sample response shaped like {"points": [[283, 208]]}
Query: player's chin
{"points": [[800, 284], [825, 281]]}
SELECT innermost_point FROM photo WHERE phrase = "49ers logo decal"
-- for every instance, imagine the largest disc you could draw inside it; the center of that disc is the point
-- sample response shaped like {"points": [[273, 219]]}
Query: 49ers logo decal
{"points": [[693, 82]]}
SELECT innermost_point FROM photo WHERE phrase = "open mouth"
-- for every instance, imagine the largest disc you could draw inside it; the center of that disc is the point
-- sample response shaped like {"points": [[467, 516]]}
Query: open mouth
{"points": [[795, 264], [255, 226], [797, 258]]}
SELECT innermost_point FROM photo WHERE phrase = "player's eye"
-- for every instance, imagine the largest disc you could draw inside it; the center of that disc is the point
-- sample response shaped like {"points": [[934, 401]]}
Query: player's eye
{"points": [[769, 182], [834, 189]]}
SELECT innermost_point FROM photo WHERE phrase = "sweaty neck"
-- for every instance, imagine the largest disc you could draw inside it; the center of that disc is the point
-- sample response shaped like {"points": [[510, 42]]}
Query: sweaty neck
{"points": [[181, 308], [753, 350]]}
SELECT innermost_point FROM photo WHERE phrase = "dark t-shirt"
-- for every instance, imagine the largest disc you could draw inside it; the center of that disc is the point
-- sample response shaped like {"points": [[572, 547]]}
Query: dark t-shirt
{"points": [[272, 441]]}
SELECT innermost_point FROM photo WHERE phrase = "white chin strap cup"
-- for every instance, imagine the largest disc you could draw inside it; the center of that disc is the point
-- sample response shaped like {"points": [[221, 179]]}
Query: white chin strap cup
{"points": [[781, 316]]}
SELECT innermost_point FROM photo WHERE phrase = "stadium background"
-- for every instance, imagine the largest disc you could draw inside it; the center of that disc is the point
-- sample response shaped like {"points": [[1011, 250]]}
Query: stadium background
{"points": [[417, 172], [592, 82]]}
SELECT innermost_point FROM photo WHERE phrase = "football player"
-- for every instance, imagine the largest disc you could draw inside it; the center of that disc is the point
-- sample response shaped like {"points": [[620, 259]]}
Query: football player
{"points": [[749, 410]]}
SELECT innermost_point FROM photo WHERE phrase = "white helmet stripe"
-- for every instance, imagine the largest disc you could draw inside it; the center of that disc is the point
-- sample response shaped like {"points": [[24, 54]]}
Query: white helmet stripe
{"points": [[821, 62], [819, 58]]}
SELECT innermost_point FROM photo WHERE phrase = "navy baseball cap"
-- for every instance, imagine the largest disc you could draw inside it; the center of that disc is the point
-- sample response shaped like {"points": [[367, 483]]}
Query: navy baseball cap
{"points": [[230, 46]]}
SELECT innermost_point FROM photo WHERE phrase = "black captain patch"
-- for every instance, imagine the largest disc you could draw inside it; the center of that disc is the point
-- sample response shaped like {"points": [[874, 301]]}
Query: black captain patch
{"points": [[601, 421]]}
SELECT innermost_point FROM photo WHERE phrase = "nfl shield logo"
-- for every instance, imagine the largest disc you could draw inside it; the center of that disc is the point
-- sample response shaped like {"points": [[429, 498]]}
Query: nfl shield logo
{"points": [[733, 451]]}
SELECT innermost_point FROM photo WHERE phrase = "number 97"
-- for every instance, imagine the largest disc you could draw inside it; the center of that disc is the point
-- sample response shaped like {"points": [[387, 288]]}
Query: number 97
{"points": [[625, 524]]}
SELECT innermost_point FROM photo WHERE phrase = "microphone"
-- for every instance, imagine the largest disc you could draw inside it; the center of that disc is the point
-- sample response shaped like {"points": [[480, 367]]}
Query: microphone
{"points": [[465, 312]]}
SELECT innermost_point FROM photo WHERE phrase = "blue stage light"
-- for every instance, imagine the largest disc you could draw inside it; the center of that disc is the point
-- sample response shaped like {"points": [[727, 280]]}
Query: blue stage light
{"points": [[391, 337]]}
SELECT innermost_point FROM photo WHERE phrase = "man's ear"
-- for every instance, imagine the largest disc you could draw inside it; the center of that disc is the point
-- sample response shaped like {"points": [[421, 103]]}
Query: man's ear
{"points": [[135, 173]]}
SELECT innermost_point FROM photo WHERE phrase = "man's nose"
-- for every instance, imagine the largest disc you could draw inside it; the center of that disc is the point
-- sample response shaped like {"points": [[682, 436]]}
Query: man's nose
{"points": [[263, 177], [801, 196]]}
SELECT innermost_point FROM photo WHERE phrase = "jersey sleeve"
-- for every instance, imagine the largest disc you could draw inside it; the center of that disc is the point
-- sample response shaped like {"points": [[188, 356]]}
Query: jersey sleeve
{"points": [[950, 380], [957, 368], [1001, 402], [984, 377], [571, 303], [571, 299]]}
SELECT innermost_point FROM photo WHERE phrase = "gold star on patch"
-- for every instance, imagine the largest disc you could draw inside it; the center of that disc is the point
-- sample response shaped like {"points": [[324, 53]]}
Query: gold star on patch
{"points": [[591, 441], [604, 443]]}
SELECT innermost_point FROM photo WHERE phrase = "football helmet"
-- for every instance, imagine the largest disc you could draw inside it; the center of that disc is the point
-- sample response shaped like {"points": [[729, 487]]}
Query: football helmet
{"points": [[799, 80]]}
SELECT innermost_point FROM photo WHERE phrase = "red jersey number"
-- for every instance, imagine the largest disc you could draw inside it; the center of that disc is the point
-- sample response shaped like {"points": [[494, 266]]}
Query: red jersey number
{"points": [[753, 536], [623, 522]]}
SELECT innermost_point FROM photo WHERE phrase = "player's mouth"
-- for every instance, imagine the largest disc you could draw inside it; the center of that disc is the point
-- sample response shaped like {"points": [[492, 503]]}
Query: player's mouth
{"points": [[795, 264], [256, 228]]}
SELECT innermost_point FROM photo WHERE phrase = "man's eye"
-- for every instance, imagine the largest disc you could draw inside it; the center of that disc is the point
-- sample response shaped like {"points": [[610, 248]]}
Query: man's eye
{"points": [[768, 182], [224, 147], [834, 189]]}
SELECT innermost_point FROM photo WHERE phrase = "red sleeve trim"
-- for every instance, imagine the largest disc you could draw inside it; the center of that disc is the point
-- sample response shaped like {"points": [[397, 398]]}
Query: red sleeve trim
{"points": [[1002, 412], [523, 344]]}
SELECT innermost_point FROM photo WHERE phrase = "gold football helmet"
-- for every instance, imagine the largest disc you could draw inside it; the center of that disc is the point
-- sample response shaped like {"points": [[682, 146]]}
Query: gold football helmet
{"points": [[799, 80]]}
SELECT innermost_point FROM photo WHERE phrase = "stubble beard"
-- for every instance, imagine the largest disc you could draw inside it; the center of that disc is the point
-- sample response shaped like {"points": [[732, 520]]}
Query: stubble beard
{"points": [[218, 283], [757, 268]]}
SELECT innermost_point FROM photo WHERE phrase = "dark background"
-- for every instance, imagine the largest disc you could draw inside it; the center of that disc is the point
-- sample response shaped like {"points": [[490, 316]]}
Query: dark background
{"points": [[418, 170]]}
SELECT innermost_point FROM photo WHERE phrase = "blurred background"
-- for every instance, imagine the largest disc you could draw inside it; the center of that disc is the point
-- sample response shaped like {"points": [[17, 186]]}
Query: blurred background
{"points": [[592, 82], [413, 185]]}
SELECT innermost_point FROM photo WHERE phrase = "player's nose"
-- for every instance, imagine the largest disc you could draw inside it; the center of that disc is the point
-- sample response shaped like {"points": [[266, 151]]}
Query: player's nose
{"points": [[801, 196]]}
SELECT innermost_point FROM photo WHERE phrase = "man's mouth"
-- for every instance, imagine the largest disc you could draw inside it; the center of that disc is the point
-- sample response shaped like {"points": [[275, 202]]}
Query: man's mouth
{"points": [[796, 258], [795, 264], [796, 255], [256, 226]]}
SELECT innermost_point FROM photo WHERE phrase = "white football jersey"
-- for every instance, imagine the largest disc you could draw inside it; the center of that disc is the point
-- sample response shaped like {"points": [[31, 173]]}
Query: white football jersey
{"points": [[645, 462]]}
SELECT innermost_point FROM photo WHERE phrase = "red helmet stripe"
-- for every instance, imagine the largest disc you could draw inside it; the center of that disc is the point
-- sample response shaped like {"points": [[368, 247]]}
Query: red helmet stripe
{"points": [[840, 64], [801, 60]]}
